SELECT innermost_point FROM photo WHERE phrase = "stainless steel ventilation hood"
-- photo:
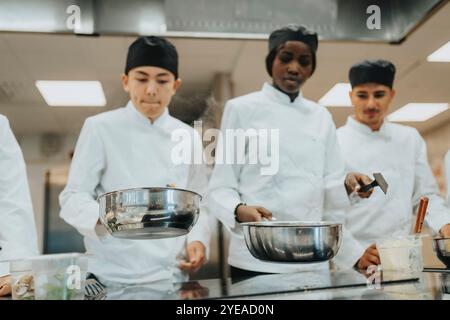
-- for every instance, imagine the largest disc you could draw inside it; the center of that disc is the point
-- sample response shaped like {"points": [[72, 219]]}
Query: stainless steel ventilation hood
{"points": [[337, 20]]}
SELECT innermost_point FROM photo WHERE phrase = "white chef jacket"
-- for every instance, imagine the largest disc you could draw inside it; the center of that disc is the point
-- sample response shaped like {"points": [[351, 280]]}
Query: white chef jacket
{"points": [[308, 185], [447, 176], [399, 153], [18, 238], [122, 149]]}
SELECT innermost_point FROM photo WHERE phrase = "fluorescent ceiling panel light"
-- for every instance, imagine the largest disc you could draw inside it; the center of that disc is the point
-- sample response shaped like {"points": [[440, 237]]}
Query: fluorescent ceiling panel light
{"points": [[441, 55], [337, 96], [417, 112], [72, 93]]}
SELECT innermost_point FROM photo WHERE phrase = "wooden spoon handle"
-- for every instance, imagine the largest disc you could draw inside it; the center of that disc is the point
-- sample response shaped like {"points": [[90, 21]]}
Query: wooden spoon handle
{"points": [[422, 211]]}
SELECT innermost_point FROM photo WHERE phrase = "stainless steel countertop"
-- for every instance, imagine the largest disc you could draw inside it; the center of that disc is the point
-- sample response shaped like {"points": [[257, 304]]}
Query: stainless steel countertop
{"points": [[324, 285], [430, 286], [349, 284]]}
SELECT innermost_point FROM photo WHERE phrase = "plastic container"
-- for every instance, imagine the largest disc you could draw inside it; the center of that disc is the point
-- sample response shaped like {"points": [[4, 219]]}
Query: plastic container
{"points": [[60, 276], [401, 253], [22, 279]]}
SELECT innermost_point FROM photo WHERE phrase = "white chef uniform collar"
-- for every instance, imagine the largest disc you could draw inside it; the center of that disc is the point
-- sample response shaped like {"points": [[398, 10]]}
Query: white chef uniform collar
{"points": [[161, 123], [280, 97], [383, 132]]}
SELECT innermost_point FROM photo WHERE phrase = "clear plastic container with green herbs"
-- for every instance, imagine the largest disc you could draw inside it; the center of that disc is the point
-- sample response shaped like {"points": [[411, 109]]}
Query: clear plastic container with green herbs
{"points": [[60, 276]]}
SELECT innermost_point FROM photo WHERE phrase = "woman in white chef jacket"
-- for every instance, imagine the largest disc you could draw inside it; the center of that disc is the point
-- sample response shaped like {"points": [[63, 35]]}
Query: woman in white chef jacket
{"points": [[308, 180], [18, 237], [131, 147]]}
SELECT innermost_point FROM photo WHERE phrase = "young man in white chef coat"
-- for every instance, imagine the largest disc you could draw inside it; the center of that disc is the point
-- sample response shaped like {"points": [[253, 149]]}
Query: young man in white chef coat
{"points": [[131, 147], [18, 237], [309, 180], [372, 144]]}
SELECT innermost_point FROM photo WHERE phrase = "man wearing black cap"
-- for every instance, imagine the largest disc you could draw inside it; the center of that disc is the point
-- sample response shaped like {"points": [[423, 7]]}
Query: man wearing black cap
{"points": [[311, 175], [371, 144], [130, 147], [151, 88]]}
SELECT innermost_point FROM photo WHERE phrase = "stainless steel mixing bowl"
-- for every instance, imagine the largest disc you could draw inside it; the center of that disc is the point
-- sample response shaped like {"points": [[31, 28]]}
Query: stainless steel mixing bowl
{"points": [[293, 241], [441, 247], [149, 213]]}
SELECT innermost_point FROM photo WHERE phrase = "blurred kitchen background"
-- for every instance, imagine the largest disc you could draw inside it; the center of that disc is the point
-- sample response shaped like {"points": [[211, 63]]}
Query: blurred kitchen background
{"points": [[222, 46]]}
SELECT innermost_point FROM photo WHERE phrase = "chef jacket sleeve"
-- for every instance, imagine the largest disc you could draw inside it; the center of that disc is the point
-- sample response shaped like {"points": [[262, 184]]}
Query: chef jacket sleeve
{"points": [[334, 172], [198, 182], [79, 207], [18, 236], [425, 186], [350, 250], [223, 185]]}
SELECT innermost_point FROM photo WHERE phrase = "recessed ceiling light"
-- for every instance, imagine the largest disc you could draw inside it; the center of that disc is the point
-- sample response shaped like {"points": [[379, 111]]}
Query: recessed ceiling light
{"points": [[72, 93], [416, 112], [441, 55], [337, 96]]}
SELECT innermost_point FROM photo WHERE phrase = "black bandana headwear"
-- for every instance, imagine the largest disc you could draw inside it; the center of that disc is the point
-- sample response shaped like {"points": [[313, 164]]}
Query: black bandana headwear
{"points": [[291, 33], [152, 51], [376, 71]]}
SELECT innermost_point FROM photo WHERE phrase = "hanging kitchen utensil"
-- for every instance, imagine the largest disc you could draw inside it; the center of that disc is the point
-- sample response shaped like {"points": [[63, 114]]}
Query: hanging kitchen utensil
{"points": [[378, 181]]}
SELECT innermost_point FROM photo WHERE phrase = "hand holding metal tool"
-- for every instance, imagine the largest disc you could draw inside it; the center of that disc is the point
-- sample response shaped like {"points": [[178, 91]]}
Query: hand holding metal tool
{"points": [[379, 181]]}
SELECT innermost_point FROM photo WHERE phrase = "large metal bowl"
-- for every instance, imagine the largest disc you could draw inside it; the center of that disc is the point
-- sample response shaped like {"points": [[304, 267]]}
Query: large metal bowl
{"points": [[149, 213], [293, 241], [441, 247]]}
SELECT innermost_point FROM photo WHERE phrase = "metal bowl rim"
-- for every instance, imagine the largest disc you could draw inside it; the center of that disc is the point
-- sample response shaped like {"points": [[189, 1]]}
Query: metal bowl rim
{"points": [[298, 224], [142, 226], [148, 189]]}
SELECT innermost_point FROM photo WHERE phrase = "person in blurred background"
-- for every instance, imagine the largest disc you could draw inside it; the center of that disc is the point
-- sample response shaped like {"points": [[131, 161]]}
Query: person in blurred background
{"points": [[447, 175], [396, 151], [18, 237], [311, 179], [130, 147]]}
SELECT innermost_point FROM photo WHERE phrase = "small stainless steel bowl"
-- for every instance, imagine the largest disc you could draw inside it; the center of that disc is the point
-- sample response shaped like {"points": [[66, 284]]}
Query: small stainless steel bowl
{"points": [[149, 213], [293, 241], [441, 247]]}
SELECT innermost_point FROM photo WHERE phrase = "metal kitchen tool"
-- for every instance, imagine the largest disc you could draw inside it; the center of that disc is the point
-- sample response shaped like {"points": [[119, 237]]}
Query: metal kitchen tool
{"points": [[94, 289], [379, 181], [149, 213], [293, 241], [441, 247]]}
